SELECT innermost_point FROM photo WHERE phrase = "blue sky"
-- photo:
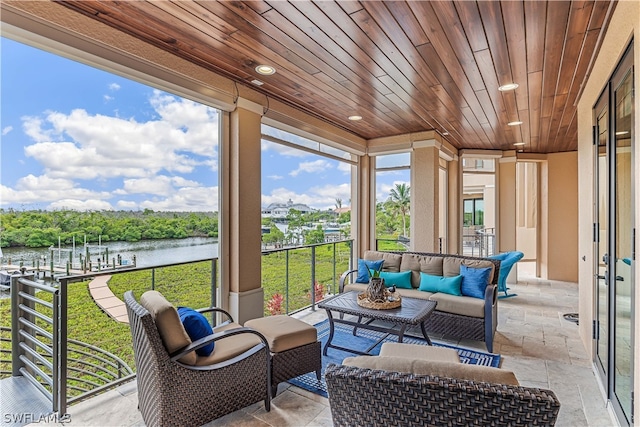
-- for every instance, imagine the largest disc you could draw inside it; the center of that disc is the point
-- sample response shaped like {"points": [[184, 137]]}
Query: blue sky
{"points": [[80, 138]]}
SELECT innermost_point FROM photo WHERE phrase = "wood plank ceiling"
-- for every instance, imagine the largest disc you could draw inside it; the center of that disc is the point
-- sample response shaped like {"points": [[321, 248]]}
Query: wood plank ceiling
{"points": [[404, 66]]}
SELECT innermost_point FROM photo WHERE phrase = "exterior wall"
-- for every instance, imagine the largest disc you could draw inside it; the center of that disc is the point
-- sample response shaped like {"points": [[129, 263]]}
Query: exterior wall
{"points": [[624, 25], [559, 260]]}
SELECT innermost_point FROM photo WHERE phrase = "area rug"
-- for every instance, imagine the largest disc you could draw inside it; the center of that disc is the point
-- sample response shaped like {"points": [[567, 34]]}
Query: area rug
{"points": [[343, 336]]}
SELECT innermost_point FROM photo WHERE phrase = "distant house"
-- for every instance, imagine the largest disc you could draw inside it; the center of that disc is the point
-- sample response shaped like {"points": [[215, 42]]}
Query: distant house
{"points": [[281, 210], [340, 211]]}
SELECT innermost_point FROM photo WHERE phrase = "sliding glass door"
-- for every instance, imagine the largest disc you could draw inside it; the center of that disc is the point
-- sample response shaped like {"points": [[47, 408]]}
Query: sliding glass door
{"points": [[613, 238]]}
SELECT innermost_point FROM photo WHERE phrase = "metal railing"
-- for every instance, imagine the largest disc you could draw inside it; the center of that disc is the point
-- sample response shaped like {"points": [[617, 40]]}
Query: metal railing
{"points": [[67, 370], [479, 242], [306, 274], [37, 342]]}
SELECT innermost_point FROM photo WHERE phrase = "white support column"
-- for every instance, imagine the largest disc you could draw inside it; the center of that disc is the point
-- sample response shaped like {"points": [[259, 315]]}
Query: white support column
{"points": [[363, 202], [240, 222]]}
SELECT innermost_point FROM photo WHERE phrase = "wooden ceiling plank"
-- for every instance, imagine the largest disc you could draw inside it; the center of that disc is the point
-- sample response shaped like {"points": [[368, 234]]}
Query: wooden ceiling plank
{"points": [[259, 7], [463, 70], [534, 82], [327, 34], [557, 19], [513, 15], [295, 39], [193, 16], [577, 28], [462, 59], [473, 27], [402, 44], [431, 57], [535, 13], [337, 81], [350, 6], [491, 14]]}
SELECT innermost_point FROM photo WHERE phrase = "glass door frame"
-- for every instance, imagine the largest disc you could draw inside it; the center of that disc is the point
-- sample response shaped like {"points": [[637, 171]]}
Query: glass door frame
{"points": [[606, 369]]}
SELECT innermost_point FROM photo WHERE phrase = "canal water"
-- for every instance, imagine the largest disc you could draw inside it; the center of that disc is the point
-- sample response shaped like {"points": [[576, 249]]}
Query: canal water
{"points": [[147, 252]]}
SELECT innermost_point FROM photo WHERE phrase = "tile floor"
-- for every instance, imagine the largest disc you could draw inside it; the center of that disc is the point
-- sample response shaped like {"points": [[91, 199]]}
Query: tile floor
{"points": [[535, 341]]}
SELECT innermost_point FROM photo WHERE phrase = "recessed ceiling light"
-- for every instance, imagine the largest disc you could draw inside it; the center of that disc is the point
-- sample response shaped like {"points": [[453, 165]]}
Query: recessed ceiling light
{"points": [[508, 86], [355, 118], [518, 143], [622, 133], [445, 133], [516, 123], [257, 82], [520, 151], [265, 70]]}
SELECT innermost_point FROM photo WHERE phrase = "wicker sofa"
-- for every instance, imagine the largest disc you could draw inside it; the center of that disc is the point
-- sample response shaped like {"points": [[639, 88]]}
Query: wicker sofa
{"points": [[457, 316], [375, 397]]}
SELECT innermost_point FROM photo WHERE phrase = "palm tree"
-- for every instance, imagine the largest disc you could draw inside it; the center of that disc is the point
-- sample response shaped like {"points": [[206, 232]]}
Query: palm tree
{"points": [[401, 200], [338, 203]]}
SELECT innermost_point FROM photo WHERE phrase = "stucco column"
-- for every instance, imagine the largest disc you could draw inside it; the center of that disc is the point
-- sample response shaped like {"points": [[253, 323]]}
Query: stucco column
{"points": [[454, 221], [507, 202], [425, 183], [241, 254], [507, 209], [363, 205]]}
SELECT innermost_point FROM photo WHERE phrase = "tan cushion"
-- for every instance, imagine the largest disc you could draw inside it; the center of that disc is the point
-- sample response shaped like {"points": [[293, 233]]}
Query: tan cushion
{"points": [[416, 351], [466, 306], [436, 368], [391, 261], [451, 266], [227, 348], [421, 263], [360, 287], [170, 328], [414, 293], [283, 332]]}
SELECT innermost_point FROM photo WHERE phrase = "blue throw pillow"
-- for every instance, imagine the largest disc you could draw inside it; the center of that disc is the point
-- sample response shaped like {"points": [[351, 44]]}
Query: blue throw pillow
{"points": [[447, 285], [197, 326], [363, 273], [401, 280], [474, 281]]}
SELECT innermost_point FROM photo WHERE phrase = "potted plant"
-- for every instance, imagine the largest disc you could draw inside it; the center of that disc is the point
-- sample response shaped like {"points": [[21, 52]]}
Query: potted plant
{"points": [[376, 290]]}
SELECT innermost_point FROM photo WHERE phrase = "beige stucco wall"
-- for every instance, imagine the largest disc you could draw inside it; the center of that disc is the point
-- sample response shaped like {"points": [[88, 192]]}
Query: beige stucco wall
{"points": [[559, 229], [624, 25], [425, 168]]}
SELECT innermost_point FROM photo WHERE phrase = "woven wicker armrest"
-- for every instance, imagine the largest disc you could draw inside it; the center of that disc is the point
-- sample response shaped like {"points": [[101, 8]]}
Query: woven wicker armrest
{"points": [[343, 279], [176, 355]]}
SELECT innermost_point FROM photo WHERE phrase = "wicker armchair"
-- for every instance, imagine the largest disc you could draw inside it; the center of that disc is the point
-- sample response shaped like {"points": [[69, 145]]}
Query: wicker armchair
{"points": [[173, 393], [365, 397]]}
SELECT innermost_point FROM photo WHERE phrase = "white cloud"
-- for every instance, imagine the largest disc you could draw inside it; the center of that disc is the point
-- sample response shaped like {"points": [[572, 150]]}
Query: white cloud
{"points": [[382, 194], [108, 98], [312, 167], [275, 177], [186, 199], [44, 189], [80, 145], [283, 150], [344, 167], [316, 197], [114, 86], [6, 130], [158, 185]]}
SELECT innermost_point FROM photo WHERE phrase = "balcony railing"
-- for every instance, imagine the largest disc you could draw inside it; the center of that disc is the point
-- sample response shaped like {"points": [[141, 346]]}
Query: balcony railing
{"points": [[58, 337]]}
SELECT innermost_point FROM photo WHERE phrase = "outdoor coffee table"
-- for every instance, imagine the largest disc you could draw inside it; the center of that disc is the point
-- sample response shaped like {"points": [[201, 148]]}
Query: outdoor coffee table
{"points": [[412, 312]]}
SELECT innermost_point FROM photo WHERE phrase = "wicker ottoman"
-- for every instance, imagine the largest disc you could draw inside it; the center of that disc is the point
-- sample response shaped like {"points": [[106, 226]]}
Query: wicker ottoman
{"points": [[294, 345]]}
